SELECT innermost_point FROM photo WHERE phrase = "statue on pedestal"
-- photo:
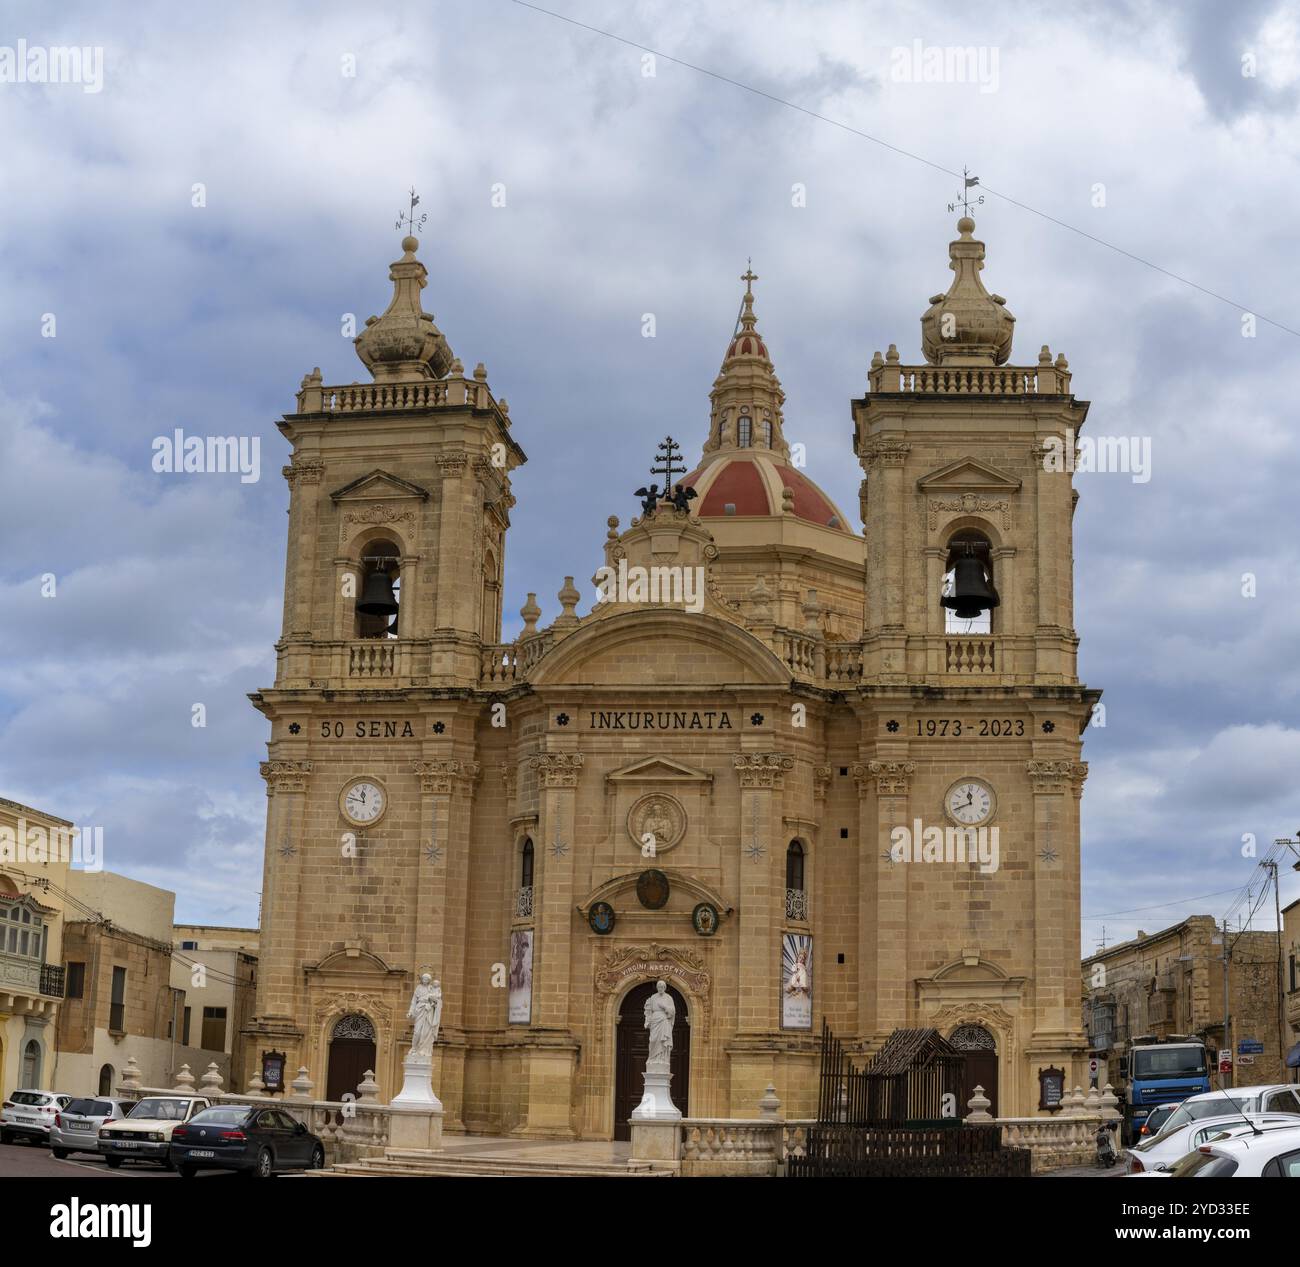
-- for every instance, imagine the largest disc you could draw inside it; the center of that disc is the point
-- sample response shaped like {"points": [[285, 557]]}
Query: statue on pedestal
{"points": [[660, 1016], [426, 1012]]}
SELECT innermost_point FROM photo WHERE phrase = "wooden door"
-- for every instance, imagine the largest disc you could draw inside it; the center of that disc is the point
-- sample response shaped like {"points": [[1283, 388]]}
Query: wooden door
{"points": [[632, 1049], [349, 1059]]}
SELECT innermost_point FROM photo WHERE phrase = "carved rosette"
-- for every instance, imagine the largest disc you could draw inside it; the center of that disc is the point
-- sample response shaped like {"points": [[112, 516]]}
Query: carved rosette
{"points": [[439, 776], [308, 471], [968, 504], [557, 769], [762, 769], [1053, 776], [631, 963], [891, 777], [285, 776]]}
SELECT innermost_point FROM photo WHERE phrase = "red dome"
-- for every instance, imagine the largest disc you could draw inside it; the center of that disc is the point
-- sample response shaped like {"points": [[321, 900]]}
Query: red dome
{"points": [[751, 483]]}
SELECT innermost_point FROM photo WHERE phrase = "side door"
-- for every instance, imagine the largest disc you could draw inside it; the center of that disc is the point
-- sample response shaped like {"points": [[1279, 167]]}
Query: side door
{"points": [[272, 1135], [297, 1146]]}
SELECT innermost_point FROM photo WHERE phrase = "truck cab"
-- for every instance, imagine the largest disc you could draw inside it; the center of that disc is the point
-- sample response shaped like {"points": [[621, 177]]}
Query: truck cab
{"points": [[1161, 1071]]}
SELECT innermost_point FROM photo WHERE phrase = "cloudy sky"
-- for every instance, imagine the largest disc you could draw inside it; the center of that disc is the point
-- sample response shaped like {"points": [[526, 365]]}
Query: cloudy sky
{"points": [[629, 192]]}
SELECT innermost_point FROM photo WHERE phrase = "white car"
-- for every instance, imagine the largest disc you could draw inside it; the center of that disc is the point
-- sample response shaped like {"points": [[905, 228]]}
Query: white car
{"points": [[1274, 1097], [1160, 1153], [29, 1115], [1270, 1154]]}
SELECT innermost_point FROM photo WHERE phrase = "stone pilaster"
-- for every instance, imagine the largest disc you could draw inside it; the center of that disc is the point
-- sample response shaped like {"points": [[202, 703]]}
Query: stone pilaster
{"points": [[277, 978], [554, 894]]}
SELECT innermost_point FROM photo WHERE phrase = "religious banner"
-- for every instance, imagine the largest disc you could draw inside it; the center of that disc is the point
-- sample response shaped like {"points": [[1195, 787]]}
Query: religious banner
{"points": [[796, 981], [521, 976]]}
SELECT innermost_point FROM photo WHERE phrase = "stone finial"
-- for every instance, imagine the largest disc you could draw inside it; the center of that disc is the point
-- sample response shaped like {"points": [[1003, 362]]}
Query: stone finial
{"points": [[368, 1089], [184, 1080], [979, 1105], [531, 613], [966, 325], [812, 613], [1092, 1102], [612, 525], [504, 405], [457, 367], [760, 603], [302, 1086], [255, 1085], [211, 1081], [1076, 1105], [877, 360], [769, 1106], [1109, 1104], [404, 345], [131, 1075], [480, 373], [1044, 355], [891, 355], [569, 597], [787, 500]]}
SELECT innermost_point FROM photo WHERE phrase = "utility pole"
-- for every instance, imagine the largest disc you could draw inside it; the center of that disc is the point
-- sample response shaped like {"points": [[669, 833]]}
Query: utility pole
{"points": [[1227, 1078], [1271, 867]]}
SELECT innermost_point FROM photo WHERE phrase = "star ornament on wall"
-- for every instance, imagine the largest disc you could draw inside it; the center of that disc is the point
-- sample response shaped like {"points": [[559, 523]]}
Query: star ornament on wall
{"points": [[756, 852], [433, 853], [287, 850], [892, 726], [439, 727], [1048, 854], [294, 728], [559, 849]]}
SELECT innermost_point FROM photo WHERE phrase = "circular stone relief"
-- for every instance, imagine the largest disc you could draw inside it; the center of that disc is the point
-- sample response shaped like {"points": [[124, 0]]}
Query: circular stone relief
{"points": [[652, 890], [656, 822]]}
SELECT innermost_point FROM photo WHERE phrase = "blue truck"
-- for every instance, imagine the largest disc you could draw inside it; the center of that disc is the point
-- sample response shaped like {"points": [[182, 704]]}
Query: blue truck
{"points": [[1160, 1071]]}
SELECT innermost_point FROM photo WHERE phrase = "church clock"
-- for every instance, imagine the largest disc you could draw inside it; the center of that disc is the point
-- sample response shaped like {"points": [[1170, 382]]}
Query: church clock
{"points": [[970, 803], [363, 802]]}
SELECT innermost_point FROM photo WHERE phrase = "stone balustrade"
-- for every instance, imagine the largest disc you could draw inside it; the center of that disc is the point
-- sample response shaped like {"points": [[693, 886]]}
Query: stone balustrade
{"points": [[726, 1146], [367, 397]]}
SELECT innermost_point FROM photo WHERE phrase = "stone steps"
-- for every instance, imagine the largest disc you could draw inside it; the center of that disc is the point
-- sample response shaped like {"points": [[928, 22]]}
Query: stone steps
{"points": [[450, 1165]]}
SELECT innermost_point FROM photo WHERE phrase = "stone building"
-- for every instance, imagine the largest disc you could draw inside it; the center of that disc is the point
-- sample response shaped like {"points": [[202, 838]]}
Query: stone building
{"points": [[1291, 987], [216, 967], [1171, 982], [749, 772]]}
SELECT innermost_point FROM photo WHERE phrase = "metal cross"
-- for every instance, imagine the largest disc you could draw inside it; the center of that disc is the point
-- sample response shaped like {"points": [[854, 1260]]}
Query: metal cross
{"points": [[666, 464], [408, 217]]}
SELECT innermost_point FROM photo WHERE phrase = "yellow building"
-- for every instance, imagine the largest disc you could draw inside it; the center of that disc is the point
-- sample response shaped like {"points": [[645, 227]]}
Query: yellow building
{"points": [[750, 772], [35, 850]]}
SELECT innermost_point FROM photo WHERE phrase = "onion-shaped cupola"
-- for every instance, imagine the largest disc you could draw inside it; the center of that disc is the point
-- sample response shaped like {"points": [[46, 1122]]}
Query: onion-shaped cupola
{"points": [[967, 325], [404, 345]]}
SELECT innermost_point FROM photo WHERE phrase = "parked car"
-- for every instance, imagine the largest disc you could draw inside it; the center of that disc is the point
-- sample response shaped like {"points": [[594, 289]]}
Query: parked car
{"points": [[145, 1133], [29, 1115], [1272, 1154], [255, 1140], [1166, 1150], [1154, 1121], [76, 1128], [1273, 1097]]}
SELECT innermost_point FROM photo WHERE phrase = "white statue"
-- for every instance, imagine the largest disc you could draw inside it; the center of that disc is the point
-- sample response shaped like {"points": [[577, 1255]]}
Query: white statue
{"points": [[426, 1012], [660, 1015]]}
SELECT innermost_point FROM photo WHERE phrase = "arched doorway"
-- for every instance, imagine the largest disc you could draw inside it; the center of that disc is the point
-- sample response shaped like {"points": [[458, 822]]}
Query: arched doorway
{"points": [[31, 1075], [106, 1080], [980, 1050], [352, 1052], [632, 1049]]}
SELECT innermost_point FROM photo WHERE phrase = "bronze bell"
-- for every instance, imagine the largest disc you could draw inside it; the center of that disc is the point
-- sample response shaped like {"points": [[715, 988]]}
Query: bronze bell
{"points": [[972, 592], [377, 596]]}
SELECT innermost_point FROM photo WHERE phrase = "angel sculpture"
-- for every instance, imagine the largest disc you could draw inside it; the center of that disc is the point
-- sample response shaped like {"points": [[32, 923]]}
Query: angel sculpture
{"points": [[650, 498], [682, 496]]}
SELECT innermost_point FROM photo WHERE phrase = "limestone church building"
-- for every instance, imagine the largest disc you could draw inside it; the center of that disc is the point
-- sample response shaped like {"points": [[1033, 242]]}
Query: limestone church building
{"points": [[764, 788]]}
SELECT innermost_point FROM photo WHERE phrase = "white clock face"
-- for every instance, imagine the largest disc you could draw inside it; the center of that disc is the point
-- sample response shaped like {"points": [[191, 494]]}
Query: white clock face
{"points": [[969, 803], [363, 802]]}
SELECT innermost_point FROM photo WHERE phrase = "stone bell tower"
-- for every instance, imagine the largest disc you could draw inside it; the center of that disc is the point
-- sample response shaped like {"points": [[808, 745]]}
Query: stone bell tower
{"points": [[399, 500], [973, 713]]}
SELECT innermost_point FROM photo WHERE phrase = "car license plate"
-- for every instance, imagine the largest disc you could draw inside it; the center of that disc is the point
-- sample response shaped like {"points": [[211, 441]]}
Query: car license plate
{"points": [[202, 1152], [31, 1121], [79, 1126], [125, 1143]]}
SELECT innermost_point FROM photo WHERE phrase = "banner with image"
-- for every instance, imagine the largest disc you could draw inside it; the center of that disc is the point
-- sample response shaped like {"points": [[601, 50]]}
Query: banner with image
{"points": [[521, 976], [796, 981]]}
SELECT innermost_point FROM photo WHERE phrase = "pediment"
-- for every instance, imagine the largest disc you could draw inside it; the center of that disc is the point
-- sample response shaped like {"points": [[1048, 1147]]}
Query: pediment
{"points": [[658, 770], [968, 475], [379, 485]]}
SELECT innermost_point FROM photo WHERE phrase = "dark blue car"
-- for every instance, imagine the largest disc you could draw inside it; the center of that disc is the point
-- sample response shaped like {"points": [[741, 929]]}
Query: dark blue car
{"points": [[257, 1141]]}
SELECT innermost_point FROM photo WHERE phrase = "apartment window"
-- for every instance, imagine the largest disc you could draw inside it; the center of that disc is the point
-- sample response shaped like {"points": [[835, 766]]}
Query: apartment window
{"points": [[214, 1029], [117, 1005], [185, 1027], [76, 983], [189, 945]]}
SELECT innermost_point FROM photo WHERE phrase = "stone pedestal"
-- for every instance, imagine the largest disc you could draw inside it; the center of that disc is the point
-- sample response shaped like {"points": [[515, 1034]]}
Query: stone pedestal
{"points": [[415, 1128], [656, 1104], [417, 1087], [656, 1141]]}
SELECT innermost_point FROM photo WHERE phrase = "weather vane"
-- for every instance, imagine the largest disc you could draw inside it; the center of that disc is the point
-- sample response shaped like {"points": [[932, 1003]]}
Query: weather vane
{"points": [[964, 202], [408, 217]]}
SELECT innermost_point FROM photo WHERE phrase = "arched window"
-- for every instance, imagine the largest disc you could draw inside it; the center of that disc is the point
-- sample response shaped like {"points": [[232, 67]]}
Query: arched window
{"points": [[767, 432], [968, 594], [31, 1075], [526, 865], [381, 591], [746, 427], [106, 1080], [796, 895]]}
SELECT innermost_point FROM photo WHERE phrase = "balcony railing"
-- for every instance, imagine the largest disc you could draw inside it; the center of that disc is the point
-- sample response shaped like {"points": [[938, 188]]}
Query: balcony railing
{"points": [[52, 980], [796, 904], [524, 902], [371, 658]]}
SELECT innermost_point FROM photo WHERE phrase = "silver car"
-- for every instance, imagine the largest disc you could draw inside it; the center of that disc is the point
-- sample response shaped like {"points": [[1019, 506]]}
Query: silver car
{"points": [[75, 1129]]}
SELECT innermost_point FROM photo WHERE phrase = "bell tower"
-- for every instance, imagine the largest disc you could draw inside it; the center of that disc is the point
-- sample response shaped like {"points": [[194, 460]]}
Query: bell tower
{"points": [[971, 709], [399, 501]]}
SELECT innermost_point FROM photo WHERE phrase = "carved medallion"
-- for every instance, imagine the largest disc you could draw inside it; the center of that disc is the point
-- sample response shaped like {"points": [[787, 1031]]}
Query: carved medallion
{"points": [[704, 919], [656, 823], [601, 918], [652, 890]]}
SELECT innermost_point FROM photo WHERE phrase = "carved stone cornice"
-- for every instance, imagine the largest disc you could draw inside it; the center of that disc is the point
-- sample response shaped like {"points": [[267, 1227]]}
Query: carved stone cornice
{"points": [[285, 776], [1052, 776], [438, 776], [891, 777], [452, 465], [762, 769], [886, 453], [967, 504], [671, 962], [307, 471], [557, 769], [379, 513]]}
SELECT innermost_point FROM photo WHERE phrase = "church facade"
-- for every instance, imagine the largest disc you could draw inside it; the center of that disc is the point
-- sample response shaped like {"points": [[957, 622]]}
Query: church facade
{"points": [[799, 772]]}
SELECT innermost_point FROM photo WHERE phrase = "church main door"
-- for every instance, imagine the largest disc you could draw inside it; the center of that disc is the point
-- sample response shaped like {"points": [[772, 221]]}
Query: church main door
{"points": [[352, 1053], [632, 1049], [980, 1050]]}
